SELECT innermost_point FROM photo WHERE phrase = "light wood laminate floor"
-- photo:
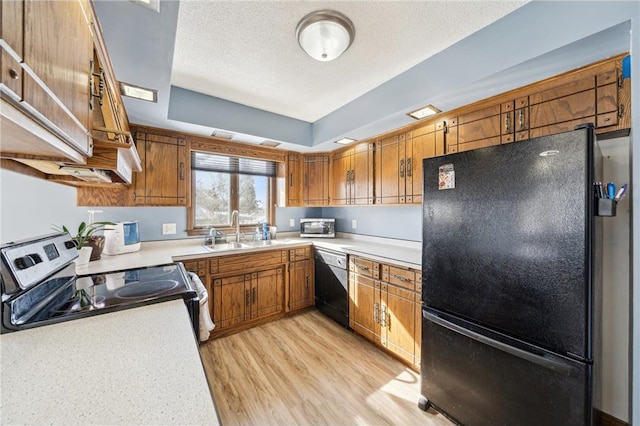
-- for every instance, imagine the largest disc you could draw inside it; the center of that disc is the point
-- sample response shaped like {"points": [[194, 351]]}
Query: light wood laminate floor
{"points": [[306, 369]]}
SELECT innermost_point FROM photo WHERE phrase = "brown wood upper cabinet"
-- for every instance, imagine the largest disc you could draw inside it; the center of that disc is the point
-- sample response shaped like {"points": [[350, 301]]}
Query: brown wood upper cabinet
{"points": [[352, 175], [294, 186], [398, 158], [48, 70], [315, 180], [163, 182]]}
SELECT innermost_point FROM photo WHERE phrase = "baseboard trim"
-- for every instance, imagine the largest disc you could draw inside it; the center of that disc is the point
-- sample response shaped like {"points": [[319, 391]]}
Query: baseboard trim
{"points": [[604, 419]]}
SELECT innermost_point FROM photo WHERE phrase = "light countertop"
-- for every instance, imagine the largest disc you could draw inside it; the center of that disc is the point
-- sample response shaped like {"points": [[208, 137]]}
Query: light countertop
{"points": [[136, 366], [403, 253]]}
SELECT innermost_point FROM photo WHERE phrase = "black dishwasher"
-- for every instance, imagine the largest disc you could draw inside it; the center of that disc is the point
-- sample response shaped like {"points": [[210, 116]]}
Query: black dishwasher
{"points": [[332, 288]]}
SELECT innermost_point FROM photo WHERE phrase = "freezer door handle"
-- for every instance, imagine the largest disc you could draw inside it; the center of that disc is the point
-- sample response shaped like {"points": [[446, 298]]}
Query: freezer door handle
{"points": [[551, 364]]}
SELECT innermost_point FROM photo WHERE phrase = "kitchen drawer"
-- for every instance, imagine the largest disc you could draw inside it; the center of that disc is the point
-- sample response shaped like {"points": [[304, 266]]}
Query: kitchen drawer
{"points": [[303, 253], [244, 262], [197, 266], [399, 276], [364, 267]]}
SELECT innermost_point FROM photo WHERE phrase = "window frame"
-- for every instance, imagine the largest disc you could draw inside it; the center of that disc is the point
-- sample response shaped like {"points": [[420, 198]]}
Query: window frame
{"points": [[234, 200]]}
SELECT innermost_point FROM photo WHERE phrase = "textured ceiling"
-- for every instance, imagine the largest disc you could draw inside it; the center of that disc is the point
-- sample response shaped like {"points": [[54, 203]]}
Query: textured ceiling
{"points": [[246, 51]]}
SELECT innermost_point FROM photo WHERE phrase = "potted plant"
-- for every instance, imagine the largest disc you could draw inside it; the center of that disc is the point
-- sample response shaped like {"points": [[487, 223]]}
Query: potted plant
{"points": [[90, 245]]}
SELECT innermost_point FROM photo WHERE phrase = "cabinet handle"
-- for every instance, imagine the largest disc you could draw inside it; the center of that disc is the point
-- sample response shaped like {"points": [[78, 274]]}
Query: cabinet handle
{"points": [[383, 315], [401, 278], [100, 93], [353, 175], [290, 179], [181, 171], [388, 321], [14, 74], [521, 118], [253, 294], [247, 298], [507, 123], [402, 168], [376, 313], [409, 167], [364, 268]]}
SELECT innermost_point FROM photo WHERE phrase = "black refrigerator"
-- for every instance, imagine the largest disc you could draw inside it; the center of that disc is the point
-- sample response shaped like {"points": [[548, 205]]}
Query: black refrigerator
{"points": [[511, 269]]}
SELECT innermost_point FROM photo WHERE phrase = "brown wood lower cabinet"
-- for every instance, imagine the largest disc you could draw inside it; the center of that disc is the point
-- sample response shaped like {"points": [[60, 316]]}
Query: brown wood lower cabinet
{"points": [[386, 311], [247, 289], [301, 285]]}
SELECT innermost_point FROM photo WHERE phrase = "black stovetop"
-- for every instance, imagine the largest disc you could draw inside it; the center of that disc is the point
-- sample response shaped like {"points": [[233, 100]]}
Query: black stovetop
{"points": [[66, 296]]}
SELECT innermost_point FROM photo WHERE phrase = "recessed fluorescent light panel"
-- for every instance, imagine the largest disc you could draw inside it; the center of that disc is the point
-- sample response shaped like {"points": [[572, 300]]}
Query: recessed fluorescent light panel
{"points": [[421, 113], [138, 92], [149, 4], [221, 134], [345, 141], [270, 144]]}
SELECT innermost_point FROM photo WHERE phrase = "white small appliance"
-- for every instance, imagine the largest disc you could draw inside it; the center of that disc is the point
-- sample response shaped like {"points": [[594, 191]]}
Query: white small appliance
{"points": [[123, 237]]}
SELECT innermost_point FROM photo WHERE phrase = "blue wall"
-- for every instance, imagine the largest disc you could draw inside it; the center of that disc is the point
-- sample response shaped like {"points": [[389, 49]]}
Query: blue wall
{"points": [[400, 222]]}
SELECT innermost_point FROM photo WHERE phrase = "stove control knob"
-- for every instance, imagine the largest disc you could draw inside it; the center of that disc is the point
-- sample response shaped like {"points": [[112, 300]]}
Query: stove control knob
{"points": [[28, 261]]}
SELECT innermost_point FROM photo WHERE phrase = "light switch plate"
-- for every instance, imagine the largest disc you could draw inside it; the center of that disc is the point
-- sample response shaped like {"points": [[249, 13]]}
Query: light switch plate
{"points": [[292, 222], [168, 228], [353, 224]]}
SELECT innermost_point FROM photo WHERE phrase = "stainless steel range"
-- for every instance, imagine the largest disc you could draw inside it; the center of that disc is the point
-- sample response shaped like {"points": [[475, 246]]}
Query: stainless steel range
{"points": [[40, 286]]}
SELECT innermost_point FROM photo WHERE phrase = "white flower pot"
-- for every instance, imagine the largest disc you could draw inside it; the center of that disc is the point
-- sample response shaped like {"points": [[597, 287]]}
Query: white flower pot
{"points": [[84, 254]]}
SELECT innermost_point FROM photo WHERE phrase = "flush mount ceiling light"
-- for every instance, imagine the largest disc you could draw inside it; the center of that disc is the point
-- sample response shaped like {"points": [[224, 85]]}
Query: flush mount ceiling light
{"points": [[345, 141], [421, 113], [138, 92], [325, 34]]}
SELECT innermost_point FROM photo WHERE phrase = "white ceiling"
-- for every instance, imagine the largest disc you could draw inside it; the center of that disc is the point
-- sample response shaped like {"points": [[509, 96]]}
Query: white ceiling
{"points": [[246, 51]]}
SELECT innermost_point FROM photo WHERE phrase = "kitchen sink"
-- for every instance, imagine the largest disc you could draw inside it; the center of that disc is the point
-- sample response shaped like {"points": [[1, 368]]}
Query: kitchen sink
{"points": [[263, 243], [227, 246]]}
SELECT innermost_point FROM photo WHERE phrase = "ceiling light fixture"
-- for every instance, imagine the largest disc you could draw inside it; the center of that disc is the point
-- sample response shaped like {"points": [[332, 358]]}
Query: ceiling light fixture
{"points": [[423, 112], [221, 134], [270, 144], [138, 92], [345, 141], [325, 34]]}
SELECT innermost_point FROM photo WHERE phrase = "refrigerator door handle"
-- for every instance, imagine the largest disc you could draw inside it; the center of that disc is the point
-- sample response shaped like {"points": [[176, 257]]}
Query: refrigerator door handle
{"points": [[551, 364]]}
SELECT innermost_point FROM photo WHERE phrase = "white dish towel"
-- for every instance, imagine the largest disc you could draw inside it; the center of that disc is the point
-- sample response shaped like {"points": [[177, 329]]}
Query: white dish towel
{"points": [[206, 325]]}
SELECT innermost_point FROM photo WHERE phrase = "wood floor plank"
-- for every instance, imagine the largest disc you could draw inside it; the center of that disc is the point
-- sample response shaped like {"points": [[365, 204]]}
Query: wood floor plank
{"points": [[306, 369]]}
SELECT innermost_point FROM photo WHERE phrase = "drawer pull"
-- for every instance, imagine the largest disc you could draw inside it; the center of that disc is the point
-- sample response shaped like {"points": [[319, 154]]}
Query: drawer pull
{"points": [[376, 312], [521, 119], [247, 299], [14, 74], [253, 294], [364, 268], [401, 278]]}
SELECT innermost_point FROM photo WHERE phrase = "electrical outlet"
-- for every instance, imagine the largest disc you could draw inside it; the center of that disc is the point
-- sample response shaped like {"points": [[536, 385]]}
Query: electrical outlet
{"points": [[353, 224], [168, 228], [292, 223]]}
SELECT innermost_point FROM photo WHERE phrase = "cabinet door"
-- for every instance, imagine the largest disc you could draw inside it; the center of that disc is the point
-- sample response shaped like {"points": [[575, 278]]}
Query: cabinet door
{"points": [[163, 180], [561, 108], [340, 171], [399, 324], [389, 170], [294, 190], [479, 129], [315, 187], [231, 303], [301, 288], [426, 142], [361, 305], [362, 174], [58, 48], [267, 289]]}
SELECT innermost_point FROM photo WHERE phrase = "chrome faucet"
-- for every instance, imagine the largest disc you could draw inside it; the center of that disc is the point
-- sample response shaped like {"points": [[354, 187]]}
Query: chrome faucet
{"points": [[236, 215]]}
